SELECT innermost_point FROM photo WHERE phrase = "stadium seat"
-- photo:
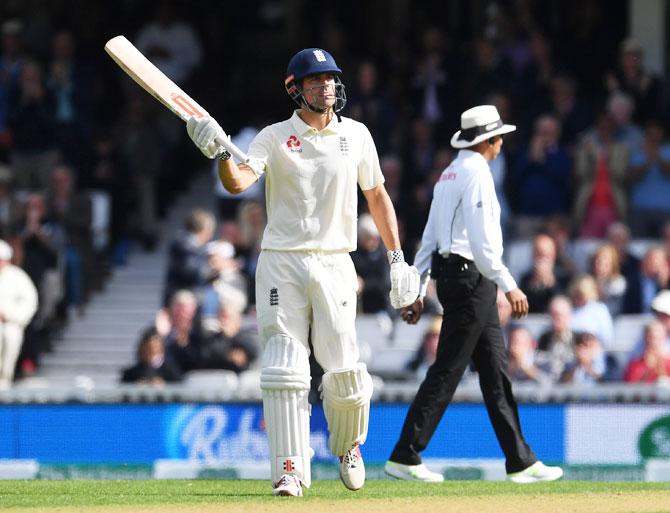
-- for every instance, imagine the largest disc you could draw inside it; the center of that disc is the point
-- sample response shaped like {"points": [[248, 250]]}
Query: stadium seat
{"points": [[211, 380], [536, 324], [374, 330], [408, 336], [628, 331], [389, 364], [519, 257]]}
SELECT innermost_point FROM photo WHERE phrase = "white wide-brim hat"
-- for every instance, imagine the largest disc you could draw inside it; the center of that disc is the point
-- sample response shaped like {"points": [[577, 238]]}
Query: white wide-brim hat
{"points": [[478, 124]]}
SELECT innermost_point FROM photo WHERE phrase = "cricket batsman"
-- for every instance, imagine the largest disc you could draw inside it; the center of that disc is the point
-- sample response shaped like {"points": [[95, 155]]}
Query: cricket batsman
{"points": [[305, 279]]}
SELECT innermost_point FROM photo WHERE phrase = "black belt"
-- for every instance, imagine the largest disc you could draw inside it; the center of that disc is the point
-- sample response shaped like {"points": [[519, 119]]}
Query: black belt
{"points": [[455, 258]]}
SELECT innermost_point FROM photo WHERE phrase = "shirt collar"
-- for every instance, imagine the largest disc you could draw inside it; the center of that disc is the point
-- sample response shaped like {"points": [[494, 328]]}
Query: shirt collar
{"points": [[303, 128]]}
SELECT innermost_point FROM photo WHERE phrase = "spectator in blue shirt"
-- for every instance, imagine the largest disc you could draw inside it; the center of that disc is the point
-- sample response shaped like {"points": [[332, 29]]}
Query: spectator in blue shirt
{"points": [[650, 174]]}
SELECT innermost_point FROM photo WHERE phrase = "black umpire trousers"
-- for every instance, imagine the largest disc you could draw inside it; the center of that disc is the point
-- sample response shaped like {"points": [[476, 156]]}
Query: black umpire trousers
{"points": [[470, 331]]}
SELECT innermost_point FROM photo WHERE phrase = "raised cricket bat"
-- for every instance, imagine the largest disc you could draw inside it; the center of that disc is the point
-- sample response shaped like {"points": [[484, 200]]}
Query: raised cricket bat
{"points": [[154, 82]]}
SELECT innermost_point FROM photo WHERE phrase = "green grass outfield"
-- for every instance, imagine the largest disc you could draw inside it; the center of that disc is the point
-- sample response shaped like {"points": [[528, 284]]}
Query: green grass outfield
{"points": [[82, 495]]}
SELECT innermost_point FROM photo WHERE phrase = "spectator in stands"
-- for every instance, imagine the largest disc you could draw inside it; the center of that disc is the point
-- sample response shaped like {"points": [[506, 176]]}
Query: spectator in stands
{"points": [[372, 268], [488, 70], [650, 176], [420, 150], [654, 277], [427, 351], [574, 115], [601, 175], [620, 107], [31, 120], [542, 177], [251, 219], [170, 43], [11, 62], [541, 282], [588, 367], [229, 282], [43, 252], [72, 87], [589, 314], [10, 207], [179, 326], [431, 86], [632, 78], [558, 228], [152, 367], [666, 241], [230, 346], [523, 365], [654, 364], [660, 308], [370, 105], [188, 262], [140, 147], [73, 211], [611, 283], [558, 342], [618, 235], [18, 304]]}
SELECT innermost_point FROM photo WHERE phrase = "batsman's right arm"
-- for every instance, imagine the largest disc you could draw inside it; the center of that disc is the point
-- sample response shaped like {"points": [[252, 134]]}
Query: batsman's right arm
{"points": [[236, 178]]}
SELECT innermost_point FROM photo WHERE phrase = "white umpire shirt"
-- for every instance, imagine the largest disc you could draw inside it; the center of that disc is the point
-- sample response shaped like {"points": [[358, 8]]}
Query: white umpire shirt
{"points": [[464, 219], [310, 182]]}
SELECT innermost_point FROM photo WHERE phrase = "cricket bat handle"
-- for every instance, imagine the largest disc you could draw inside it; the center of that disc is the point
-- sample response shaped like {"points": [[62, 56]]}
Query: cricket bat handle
{"points": [[239, 155]]}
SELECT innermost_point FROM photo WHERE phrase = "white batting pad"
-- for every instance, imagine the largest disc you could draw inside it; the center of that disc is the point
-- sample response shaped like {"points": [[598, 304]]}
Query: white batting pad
{"points": [[346, 402], [285, 384]]}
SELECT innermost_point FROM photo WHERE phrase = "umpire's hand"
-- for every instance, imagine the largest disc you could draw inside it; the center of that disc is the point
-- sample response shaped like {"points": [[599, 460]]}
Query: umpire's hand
{"points": [[519, 303], [412, 313]]}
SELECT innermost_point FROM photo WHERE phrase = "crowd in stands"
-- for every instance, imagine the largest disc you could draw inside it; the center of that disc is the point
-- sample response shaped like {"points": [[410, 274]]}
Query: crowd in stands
{"points": [[589, 166]]}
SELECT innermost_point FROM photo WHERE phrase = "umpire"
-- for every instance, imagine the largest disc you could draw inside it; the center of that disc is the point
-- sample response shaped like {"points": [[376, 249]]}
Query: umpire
{"points": [[462, 242]]}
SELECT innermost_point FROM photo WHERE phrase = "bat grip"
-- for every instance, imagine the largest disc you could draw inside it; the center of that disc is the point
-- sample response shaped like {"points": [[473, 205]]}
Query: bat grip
{"points": [[239, 155]]}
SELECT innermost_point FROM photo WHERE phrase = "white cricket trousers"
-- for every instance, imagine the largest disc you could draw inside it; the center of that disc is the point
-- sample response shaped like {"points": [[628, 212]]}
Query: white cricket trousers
{"points": [[299, 289], [11, 340]]}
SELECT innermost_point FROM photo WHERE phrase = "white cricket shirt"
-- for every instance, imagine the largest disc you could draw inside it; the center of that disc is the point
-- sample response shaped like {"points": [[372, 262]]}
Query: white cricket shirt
{"points": [[310, 182], [464, 219]]}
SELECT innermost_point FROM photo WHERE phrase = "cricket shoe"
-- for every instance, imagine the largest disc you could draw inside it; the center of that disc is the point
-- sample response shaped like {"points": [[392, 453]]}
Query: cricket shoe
{"points": [[536, 473], [287, 486], [412, 472], [352, 469]]}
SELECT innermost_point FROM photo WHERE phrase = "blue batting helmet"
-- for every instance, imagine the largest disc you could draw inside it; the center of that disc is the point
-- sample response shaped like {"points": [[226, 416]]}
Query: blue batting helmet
{"points": [[312, 61]]}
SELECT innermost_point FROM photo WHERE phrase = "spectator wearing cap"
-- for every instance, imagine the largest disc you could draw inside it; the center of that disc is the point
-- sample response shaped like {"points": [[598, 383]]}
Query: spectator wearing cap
{"points": [[588, 367], [632, 78], [18, 304], [372, 268], [660, 308], [152, 367], [654, 364]]}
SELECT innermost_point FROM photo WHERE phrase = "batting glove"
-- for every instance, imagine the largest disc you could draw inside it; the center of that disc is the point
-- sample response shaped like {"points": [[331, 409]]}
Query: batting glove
{"points": [[405, 281], [204, 132]]}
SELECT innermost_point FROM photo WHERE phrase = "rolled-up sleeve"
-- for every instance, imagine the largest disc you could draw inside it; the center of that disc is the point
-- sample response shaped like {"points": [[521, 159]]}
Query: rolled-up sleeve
{"points": [[259, 152]]}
